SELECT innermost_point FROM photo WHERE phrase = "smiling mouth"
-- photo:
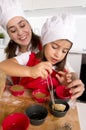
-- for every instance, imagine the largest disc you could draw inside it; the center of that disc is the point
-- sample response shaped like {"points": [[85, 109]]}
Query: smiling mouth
{"points": [[22, 38]]}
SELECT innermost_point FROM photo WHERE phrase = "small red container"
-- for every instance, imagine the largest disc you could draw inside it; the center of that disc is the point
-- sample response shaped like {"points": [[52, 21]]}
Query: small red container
{"points": [[17, 90], [16, 121], [63, 93], [40, 95]]}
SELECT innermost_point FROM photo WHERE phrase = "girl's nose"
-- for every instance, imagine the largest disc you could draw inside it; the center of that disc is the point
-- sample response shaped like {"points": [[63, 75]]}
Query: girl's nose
{"points": [[58, 53]]}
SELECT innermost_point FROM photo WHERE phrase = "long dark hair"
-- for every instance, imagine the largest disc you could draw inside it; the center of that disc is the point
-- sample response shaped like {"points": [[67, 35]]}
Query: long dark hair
{"points": [[12, 46]]}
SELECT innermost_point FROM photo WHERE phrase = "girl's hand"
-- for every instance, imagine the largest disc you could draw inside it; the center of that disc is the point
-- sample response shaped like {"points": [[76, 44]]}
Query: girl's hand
{"points": [[72, 82], [64, 77], [41, 70]]}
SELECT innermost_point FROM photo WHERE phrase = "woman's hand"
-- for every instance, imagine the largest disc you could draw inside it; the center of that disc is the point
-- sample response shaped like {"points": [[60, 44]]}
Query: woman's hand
{"points": [[76, 88], [41, 70]]}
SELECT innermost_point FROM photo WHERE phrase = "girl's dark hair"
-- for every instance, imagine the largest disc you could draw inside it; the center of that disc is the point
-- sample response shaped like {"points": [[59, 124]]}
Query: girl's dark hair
{"points": [[12, 46]]}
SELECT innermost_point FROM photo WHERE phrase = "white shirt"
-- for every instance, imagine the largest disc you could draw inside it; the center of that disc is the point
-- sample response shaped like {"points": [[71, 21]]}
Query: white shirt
{"points": [[23, 58]]}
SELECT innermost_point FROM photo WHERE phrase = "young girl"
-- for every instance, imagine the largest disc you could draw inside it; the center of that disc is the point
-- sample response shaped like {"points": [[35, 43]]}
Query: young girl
{"points": [[57, 39]]}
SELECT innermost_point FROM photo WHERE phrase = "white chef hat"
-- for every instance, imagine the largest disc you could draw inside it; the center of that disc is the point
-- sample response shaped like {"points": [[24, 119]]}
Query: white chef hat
{"points": [[58, 27], [8, 10]]}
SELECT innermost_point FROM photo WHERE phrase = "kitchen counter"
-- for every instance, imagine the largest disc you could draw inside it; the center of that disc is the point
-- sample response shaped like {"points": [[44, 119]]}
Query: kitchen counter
{"points": [[10, 104]]}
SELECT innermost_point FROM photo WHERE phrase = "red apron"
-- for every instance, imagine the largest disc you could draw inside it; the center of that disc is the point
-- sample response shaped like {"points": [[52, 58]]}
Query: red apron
{"points": [[16, 80]]}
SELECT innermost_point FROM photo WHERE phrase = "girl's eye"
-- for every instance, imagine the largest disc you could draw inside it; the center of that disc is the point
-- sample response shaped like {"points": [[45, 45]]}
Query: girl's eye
{"points": [[54, 46], [65, 51]]}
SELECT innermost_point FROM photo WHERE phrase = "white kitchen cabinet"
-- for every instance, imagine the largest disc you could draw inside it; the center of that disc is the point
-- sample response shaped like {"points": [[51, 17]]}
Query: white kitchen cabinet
{"points": [[75, 60], [44, 4], [27, 4]]}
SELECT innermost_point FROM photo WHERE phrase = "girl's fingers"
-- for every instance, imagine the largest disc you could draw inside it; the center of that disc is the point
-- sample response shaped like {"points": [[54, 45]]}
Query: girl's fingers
{"points": [[61, 73]]}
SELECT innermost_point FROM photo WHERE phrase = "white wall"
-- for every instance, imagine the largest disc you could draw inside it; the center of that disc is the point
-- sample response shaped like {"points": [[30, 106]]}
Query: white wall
{"points": [[36, 23]]}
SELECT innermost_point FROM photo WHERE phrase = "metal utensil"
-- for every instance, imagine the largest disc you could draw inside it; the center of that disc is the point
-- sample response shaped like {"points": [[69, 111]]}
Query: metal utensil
{"points": [[51, 89]]}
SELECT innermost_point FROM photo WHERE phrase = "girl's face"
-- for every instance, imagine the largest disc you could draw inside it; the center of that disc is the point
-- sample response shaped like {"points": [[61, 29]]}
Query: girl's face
{"points": [[56, 51], [19, 31]]}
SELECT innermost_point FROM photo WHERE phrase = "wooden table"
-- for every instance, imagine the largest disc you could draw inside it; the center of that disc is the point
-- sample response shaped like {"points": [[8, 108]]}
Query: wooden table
{"points": [[10, 104]]}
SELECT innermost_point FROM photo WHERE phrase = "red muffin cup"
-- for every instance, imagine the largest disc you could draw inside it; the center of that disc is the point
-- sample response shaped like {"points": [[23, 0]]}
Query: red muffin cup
{"points": [[40, 95], [17, 90]]}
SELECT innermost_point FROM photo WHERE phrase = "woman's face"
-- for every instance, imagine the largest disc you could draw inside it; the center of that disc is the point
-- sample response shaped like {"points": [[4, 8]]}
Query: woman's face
{"points": [[57, 50], [19, 31]]}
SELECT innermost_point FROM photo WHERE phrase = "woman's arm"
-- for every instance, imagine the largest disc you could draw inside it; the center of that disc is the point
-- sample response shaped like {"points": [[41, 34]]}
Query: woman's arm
{"points": [[12, 68]]}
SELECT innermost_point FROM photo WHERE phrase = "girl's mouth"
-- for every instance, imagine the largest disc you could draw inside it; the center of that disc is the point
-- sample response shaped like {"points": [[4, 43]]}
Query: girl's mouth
{"points": [[54, 60]]}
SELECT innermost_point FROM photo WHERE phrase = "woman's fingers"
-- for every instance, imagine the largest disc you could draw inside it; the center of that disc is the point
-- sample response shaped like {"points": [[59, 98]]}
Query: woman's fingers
{"points": [[41, 70], [76, 88], [48, 67], [76, 93]]}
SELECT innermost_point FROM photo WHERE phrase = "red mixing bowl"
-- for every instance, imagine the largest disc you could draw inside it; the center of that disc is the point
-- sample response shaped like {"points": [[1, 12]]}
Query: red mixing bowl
{"points": [[16, 121], [62, 92]]}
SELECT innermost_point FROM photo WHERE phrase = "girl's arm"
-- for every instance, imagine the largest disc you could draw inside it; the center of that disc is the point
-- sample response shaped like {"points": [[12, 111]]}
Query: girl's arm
{"points": [[12, 68]]}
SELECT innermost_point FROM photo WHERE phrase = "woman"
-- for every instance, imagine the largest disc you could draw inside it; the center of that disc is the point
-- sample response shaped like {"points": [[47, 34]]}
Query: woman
{"points": [[13, 20]]}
